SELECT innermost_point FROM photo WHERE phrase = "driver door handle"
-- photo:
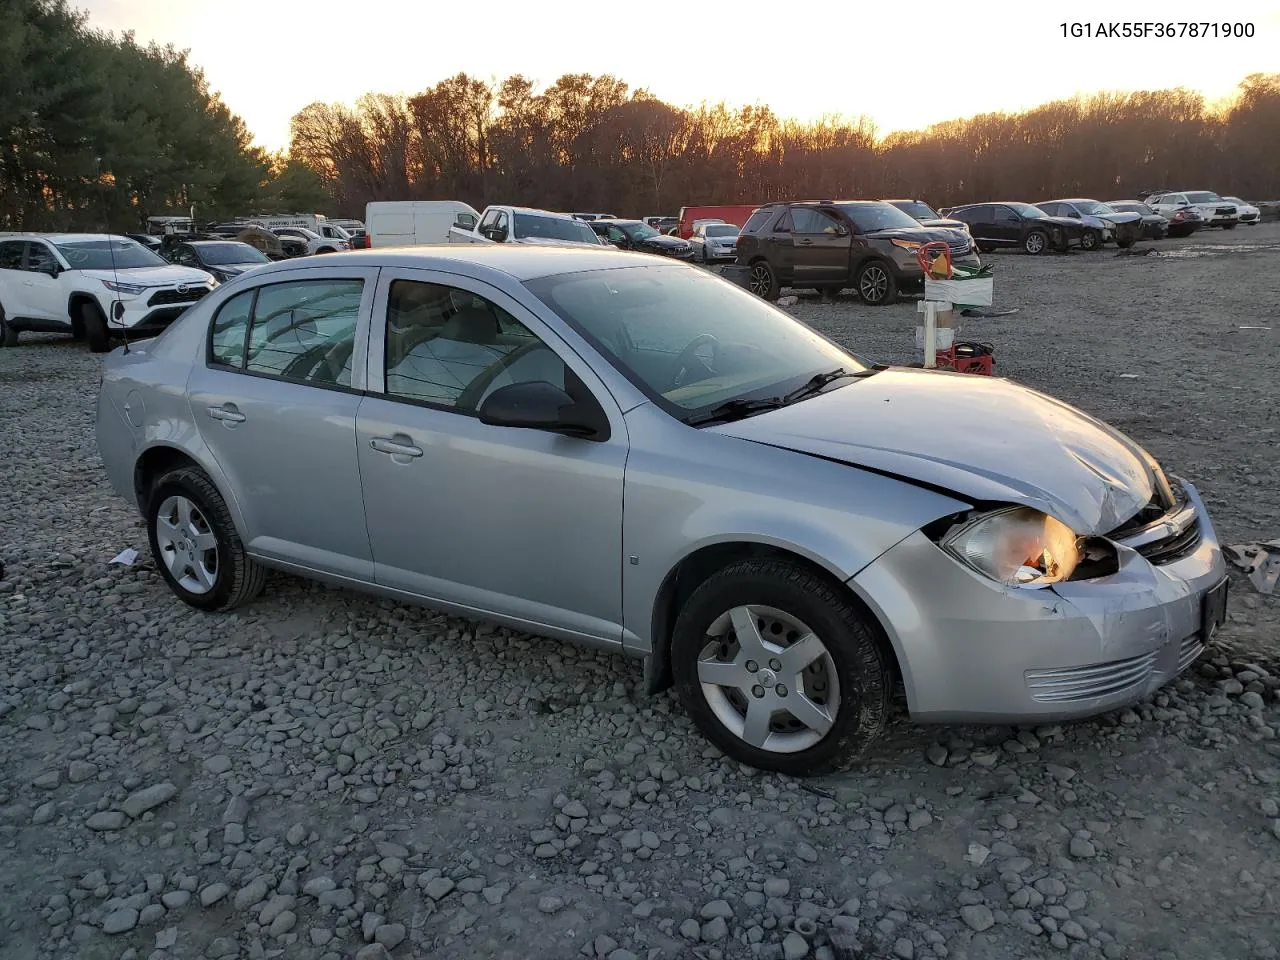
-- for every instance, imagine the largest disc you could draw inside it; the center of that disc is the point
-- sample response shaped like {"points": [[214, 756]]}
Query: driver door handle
{"points": [[227, 414], [398, 446]]}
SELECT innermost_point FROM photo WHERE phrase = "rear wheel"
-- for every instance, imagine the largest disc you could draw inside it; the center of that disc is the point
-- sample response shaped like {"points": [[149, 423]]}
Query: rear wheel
{"points": [[94, 323], [1035, 242], [779, 668], [8, 335], [763, 282], [195, 544], [876, 284], [1091, 240]]}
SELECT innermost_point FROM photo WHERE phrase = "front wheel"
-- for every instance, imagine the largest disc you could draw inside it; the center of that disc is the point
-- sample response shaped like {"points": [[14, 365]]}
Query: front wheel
{"points": [[763, 281], [1091, 240], [195, 544], [94, 324], [8, 335], [1035, 242], [780, 669], [876, 284]]}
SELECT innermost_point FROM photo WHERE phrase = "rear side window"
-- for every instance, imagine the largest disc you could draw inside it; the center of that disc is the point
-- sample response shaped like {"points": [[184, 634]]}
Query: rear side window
{"points": [[756, 222], [11, 254]]}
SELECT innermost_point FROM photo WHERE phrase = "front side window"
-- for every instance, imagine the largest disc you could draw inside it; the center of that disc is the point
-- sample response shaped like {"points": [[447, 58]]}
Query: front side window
{"points": [[811, 221], [451, 348], [689, 340], [39, 258], [302, 331]]}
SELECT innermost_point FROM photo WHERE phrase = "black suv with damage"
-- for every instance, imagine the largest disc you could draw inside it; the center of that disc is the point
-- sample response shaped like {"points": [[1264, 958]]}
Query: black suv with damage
{"points": [[1011, 224], [828, 245]]}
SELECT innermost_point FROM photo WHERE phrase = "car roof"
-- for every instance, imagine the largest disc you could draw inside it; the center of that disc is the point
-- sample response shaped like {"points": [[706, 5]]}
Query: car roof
{"points": [[518, 262]]}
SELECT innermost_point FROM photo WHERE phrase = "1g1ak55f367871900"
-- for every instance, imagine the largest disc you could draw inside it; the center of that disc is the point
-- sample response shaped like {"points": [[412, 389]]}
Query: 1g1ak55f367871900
{"points": [[1169, 29]]}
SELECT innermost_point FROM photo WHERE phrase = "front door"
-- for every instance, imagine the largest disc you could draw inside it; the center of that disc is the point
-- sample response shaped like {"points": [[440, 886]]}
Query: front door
{"points": [[520, 523], [276, 404], [46, 298], [822, 246], [1007, 225]]}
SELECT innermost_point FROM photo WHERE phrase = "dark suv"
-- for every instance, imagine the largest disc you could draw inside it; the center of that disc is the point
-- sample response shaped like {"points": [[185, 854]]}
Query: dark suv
{"points": [[829, 245]]}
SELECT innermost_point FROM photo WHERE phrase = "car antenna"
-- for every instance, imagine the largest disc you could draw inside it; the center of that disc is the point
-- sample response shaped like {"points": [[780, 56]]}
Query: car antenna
{"points": [[115, 273]]}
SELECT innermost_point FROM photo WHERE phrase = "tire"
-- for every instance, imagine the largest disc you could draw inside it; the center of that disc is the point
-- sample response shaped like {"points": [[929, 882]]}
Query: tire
{"points": [[851, 671], [94, 323], [1036, 242], [1091, 240], [762, 281], [234, 578], [325, 250], [876, 284], [8, 335]]}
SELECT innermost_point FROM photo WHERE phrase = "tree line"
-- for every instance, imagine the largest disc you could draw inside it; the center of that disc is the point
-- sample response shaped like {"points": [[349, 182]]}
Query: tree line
{"points": [[100, 132], [587, 143]]}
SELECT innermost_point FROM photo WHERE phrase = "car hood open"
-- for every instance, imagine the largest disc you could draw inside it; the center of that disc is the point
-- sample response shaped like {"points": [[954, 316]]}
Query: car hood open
{"points": [[983, 438]]}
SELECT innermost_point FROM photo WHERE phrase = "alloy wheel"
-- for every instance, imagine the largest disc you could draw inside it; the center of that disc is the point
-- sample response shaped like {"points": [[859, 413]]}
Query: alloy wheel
{"points": [[873, 285], [1034, 243], [188, 544], [769, 679], [761, 280]]}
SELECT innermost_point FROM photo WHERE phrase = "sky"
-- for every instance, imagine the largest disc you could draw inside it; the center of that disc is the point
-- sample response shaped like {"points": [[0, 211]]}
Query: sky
{"points": [[270, 58]]}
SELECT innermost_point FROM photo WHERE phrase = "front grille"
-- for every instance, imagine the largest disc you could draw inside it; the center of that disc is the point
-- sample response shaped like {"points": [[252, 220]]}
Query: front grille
{"points": [[189, 295], [1074, 684], [1178, 537], [1174, 547], [1225, 211], [1189, 651]]}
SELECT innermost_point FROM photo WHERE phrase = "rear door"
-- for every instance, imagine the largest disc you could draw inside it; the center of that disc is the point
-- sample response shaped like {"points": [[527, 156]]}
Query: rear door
{"points": [[821, 247], [778, 243], [979, 219], [13, 287], [276, 400]]}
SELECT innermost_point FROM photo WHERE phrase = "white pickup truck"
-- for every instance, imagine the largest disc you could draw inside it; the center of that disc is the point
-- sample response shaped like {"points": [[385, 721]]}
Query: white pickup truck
{"points": [[525, 225]]}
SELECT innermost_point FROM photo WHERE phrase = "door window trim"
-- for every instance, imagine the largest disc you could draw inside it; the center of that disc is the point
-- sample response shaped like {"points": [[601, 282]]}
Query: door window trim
{"points": [[375, 375], [369, 280]]}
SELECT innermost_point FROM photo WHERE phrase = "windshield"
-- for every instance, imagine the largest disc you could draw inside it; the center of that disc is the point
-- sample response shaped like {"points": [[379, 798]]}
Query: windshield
{"points": [[1236, 200], [218, 253], [553, 228], [639, 231], [721, 230], [870, 217], [1026, 210], [117, 253], [921, 211], [1093, 208], [690, 340], [1203, 196]]}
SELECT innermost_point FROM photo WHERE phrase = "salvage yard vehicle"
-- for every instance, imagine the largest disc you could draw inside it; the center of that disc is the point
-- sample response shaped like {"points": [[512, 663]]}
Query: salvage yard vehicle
{"points": [[224, 259], [1248, 212], [1102, 224], [316, 243], [90, 285], [715, 243], [1213, 209], [926, 216], [639, 236], [310, 223], [398, 223], [455, 426], [829, 245], [1012, 224], [1154, 226], [736, 213], [527, 226]]}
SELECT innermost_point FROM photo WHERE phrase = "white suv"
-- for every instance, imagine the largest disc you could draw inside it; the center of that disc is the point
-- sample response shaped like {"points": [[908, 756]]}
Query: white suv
{"points": [[1213, 209], [90, 285]]}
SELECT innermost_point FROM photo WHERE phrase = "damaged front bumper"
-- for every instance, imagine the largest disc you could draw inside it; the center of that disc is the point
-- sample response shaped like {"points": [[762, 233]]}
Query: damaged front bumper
{"points": [[972, 650]]}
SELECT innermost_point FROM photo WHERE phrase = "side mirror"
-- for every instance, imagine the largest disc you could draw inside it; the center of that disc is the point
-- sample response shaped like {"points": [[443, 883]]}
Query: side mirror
{"points": [[53, 269], [540, 405]]}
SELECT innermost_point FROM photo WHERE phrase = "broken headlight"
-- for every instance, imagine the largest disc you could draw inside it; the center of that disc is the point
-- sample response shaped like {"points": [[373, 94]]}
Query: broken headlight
{"points": [[1016, 546]]}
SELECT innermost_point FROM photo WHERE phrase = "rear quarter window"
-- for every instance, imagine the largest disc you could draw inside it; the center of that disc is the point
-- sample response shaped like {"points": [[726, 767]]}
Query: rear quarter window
{"points": [[757, 221]]}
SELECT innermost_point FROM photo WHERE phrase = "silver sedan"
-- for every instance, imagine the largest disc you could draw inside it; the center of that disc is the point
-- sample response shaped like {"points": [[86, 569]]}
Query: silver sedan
{"points": [[618, 450]]}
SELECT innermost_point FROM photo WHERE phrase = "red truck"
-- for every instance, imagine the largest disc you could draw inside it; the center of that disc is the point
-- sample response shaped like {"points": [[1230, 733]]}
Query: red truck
{"points": [[737, 214]]}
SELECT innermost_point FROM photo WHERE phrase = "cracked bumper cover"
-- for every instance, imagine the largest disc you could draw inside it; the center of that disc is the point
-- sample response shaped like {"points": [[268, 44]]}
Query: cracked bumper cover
{"points": [[972, 650]]}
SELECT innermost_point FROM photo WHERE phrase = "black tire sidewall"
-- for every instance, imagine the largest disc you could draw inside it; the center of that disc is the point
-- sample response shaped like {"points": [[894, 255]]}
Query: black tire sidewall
{"points": [[96, 332], [176, 484], [864, 680], [774, 287]]}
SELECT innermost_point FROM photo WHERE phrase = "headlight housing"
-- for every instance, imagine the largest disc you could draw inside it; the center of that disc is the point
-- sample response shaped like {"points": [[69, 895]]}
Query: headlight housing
{"points": [[1016, 546], [906, 244], [131, 289]]}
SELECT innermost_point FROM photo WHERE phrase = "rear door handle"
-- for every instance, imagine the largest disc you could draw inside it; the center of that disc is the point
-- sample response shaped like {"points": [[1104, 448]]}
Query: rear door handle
{"points": [[227, 413], [397, 446]]}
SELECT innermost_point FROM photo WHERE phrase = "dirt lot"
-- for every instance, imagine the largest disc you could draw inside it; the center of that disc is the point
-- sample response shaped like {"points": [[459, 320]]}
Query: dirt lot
{"points": [[324, 776]]}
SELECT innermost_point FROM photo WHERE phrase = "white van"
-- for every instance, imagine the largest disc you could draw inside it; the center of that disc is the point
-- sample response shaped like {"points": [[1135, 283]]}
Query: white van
{"points": [[399, 223]]}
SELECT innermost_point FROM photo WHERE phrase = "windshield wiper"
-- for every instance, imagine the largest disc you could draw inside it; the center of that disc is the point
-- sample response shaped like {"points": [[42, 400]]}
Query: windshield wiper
{"points": [[735, 409], [820, 380]]}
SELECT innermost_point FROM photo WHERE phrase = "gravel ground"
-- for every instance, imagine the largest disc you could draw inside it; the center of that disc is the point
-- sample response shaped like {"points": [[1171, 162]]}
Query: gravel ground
{"points": [[323, 775]]}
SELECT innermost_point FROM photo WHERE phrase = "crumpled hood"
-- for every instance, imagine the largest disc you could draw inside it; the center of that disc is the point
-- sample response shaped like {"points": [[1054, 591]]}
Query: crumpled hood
{"points": [[1058, 221], [151, 276], [1120, 217], [980, 437], [917, 234]]}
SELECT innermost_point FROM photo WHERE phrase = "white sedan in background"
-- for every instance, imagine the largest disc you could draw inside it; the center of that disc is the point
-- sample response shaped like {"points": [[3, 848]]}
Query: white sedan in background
{"points": [[1248, 212], [715, 242]]}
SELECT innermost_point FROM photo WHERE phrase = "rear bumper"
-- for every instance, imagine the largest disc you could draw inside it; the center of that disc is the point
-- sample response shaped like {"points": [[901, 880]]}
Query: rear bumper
{"points": [[973, 651]]}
